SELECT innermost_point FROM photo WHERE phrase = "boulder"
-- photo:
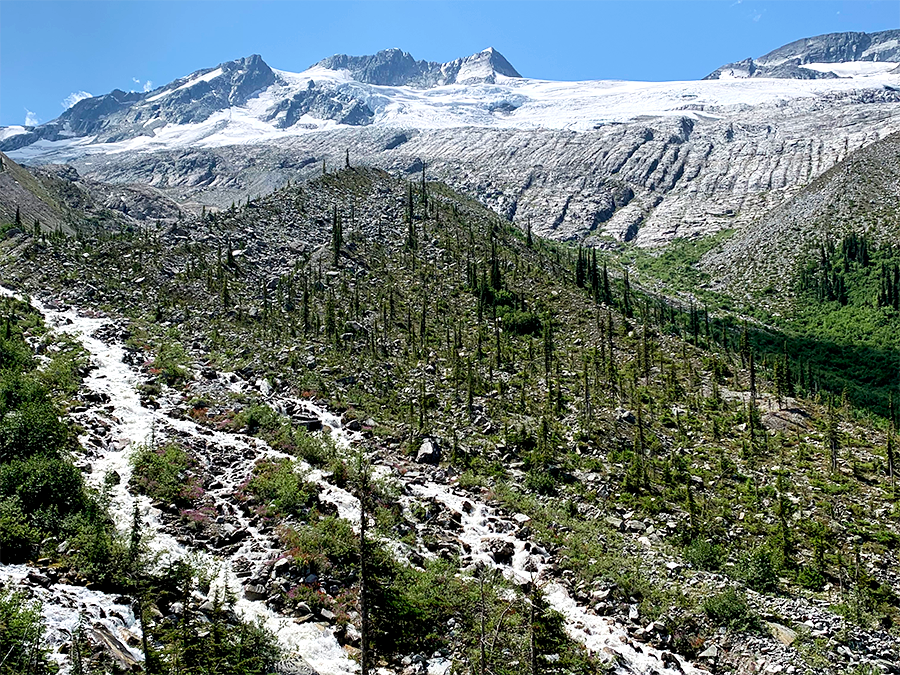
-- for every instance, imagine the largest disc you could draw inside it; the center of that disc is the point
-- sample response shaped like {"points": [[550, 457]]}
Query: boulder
{"points": [[613, 522], [112, 645], [626, 416], [783, 634], [255, 592], [711, 652], [429, 452], [502, 551]]}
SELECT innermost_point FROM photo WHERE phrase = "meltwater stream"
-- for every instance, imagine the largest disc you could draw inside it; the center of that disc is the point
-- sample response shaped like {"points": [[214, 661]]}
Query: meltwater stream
{"points": [[131, 424]]}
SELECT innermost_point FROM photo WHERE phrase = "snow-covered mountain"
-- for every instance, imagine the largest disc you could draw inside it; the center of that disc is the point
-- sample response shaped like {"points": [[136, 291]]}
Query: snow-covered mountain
{"points": [[644, 161], [246, 101], [248, 96], [827, 56]]}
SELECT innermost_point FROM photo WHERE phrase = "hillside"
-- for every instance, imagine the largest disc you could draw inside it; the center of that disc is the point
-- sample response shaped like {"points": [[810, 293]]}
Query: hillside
{"points": [[858, 194], [667, 486], [57, 198]]}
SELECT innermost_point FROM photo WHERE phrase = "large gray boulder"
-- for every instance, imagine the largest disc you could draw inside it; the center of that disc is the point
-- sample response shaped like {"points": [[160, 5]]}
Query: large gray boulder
{"points": [[429, 452]]}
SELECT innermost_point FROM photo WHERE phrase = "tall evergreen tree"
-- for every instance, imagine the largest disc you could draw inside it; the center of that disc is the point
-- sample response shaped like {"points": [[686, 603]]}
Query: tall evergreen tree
{"points": [[337, 235]]}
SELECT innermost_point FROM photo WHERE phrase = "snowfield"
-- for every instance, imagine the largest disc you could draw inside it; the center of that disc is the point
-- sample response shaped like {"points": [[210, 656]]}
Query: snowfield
{"points": [[511, 103]]}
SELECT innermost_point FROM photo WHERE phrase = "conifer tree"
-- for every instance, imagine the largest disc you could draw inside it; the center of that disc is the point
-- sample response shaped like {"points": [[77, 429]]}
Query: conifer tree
{"points": [[890, 440], [744, 346], [424, 192], [607, 294], [626, 294], [580, 268], [337, 235], [496, 282], [831, 435]]}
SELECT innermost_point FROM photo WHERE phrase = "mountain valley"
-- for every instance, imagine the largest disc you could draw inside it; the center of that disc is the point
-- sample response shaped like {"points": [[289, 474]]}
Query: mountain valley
{"points": [[413, 368]]}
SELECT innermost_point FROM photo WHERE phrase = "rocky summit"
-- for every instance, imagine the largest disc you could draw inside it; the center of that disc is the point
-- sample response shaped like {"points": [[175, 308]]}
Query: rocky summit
{"points": [[417, 368], [809, 58]]}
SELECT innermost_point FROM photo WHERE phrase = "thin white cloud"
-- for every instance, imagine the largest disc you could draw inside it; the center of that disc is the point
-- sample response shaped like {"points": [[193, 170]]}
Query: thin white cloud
{"points": [[31, 120], [146, 86], [74, 97]]}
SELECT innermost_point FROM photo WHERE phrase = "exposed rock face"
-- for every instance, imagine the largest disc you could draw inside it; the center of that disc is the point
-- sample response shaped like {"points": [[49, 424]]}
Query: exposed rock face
{"points": [[393, 67], [863, 189], [119, 115], [786, 61], [321, 103], [790, 70]]}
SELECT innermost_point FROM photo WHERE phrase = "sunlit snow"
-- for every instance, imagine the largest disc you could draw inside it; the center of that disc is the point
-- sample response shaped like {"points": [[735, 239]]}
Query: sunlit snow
{"points": [[211, 75], [511, 103]]}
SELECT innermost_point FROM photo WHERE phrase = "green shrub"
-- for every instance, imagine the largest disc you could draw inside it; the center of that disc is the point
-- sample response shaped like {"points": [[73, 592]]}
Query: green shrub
{"points": [[521, 323], [541, 482], [811, 578], [18, 539], [161, 473], [278, 484], [296, 440], [340, 472], [168, 364], [101, 554], [323, 545], [730, 609], [256, 417], [32, 428], [62, 374], [17, 389], [758, 571], [15, 355], [48, 490], [21, 637], [704, 555]]}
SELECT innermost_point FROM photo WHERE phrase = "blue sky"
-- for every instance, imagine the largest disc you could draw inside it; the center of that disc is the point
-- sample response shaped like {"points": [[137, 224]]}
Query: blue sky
{"points": [[51, 52]]}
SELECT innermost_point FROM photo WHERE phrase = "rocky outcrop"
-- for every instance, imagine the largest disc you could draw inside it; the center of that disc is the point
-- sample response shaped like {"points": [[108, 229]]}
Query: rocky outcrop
{"points": [[118, 115], [860, 192], [393, 67], [321, 103], [787, 61]]}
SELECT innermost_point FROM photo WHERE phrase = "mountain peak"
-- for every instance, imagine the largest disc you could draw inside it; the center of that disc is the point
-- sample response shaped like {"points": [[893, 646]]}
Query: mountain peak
{"points": [[393, 67], [791, 61]]}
